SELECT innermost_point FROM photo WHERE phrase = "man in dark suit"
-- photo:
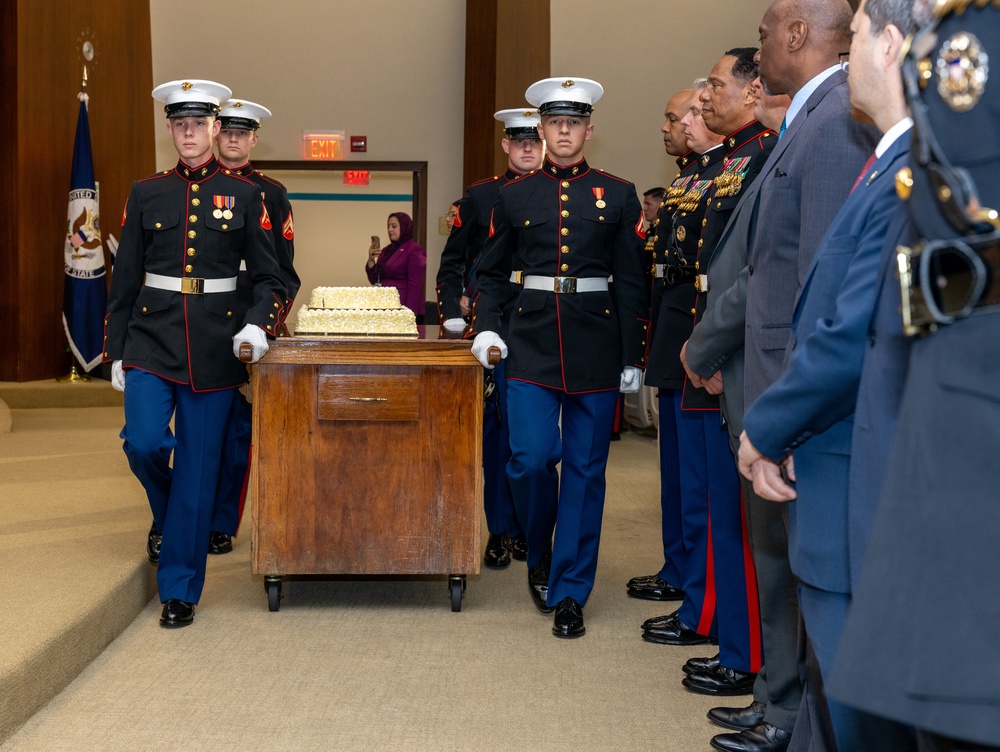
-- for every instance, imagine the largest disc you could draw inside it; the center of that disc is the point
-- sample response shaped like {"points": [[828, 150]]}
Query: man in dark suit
{"points": [[924, 612], [174, 341], [523, 147], [801, 188], [574, 342], [808, 413]]}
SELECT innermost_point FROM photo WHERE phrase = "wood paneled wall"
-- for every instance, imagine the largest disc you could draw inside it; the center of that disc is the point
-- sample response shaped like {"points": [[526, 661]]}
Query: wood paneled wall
{"points": [[507, 49], [42, 71]]}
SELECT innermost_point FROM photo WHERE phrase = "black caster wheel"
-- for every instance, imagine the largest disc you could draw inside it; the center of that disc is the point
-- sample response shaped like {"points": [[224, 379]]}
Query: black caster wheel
{"points": [[456, 589], [272, 586]]}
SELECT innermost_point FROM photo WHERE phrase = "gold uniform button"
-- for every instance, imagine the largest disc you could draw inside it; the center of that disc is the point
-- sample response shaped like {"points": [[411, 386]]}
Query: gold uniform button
{"points": [[193, 218], [519, 310], [564, 268], [565, 184], [196, 202], [565, 249], [144, 309], [271, 315], [601, 218], [564, 231], [693, 312], [158, 225], [195, 187], [275, 305], [191, 251], [192, 234], [704, 222], [225, 227], [697, 265], [564, 197], [268, 326], [189, 268], [608, 312], [229, 313], [564, 213], [527, 222], [718, 205], [701, 242]]}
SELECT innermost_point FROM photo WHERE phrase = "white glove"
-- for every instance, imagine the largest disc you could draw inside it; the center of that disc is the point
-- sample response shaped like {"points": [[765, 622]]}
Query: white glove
{"points": [[454, 325], [483, 342], [631, 380], [118, 376], [255, 336]]}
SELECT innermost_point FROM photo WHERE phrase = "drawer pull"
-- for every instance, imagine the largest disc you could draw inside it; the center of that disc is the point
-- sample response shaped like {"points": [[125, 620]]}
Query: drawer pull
{"points": [[368, 399]]}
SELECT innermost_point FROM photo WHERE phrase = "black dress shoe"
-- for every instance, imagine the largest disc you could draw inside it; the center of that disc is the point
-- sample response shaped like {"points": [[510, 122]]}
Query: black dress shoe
{"points": [[519, 547], [655, 590], [764, 737], [538, 584], [177, 613], [569, 619], [703, 664], [153, 543], [497, 554], [739, 719], [220, 543], [659, 621], [720, 681], [674, 632], [641, 579]]}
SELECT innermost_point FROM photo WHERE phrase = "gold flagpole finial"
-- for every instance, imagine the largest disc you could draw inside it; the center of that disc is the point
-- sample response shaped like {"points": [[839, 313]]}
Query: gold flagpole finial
{"points": [[84, 75]]}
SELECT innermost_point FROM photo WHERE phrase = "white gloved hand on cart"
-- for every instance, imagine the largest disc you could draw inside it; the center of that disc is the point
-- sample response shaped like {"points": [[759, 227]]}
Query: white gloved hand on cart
{"points": [[255, 336], [118, 376], [454, 325], [631, 380], [481, 345]]}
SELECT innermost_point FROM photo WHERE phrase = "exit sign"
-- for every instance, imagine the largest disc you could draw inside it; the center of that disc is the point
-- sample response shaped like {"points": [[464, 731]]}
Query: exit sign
{"points": [[357, 177], [323, 144]]}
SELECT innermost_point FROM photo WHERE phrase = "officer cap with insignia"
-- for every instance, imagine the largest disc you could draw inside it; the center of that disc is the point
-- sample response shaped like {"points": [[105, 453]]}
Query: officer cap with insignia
{"points": [[242, 115], [519, 124], [955, 158], [564, 96], [191, 98]]}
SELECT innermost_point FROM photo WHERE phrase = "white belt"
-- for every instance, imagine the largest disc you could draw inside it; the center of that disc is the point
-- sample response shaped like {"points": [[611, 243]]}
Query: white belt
{"points": [[701, 283], [658, 270], [190, 285], [566, 284]]}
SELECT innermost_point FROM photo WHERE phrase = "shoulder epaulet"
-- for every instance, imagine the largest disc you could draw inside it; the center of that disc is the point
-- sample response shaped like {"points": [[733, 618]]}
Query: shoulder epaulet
{"points": [[229, 173], [155, 175], [607, 174]]}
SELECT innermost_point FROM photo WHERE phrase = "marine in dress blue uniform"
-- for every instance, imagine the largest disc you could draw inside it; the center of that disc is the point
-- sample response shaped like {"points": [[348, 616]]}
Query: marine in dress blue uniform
{"points": [[240, 119], [729, 104], [174, 327], [464, 245], [666, 584], [677, 244], [571, 343]]}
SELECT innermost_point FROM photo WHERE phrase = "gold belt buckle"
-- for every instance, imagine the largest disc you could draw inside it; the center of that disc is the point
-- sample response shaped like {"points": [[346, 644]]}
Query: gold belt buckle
{"points": [[192, 286], [564, 284], [519, 277]]}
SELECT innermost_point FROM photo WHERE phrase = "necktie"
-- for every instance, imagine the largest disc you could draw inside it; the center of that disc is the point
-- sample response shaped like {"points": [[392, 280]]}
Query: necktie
{"points": [[864, 171], [784, 127]]}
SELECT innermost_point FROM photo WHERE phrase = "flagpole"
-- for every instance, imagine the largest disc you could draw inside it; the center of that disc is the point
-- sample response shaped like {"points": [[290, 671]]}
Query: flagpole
{"points": [[74, 376]]}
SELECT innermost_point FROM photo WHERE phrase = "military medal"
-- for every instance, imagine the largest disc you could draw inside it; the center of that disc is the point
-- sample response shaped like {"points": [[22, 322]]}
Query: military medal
{"points": [[223, 206], [599, 195], [962, 70]]}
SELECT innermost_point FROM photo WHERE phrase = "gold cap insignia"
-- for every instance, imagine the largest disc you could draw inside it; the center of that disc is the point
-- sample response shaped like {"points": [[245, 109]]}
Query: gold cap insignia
{"points": [[186, 86], [962, 70], [237, 104], [568, 83]]}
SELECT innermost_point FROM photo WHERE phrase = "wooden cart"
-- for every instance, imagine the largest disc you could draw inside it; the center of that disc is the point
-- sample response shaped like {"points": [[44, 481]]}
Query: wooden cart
{"points": [[367, 459]]}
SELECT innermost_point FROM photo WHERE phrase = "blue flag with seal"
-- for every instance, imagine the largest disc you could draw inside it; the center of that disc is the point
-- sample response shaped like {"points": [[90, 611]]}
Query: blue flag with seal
{"points": [[85, 293]]}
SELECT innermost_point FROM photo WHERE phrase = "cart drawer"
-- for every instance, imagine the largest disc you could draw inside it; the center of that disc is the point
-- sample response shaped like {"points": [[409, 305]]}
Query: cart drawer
{"points": [[368, 397]]}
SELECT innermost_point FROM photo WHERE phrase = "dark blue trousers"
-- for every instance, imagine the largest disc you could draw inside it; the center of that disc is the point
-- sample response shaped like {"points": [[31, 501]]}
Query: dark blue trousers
{"points": [[674, 555], [181, 498], [498, 502], [563, 515], [697, 610], [235, 462]]}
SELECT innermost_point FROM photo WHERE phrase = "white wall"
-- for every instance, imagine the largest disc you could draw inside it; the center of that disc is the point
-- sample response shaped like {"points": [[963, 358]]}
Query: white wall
{"points": [[642, 52]]}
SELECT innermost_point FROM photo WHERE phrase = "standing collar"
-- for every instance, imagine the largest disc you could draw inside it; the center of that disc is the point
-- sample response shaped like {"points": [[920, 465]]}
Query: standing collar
{"points": [[565, 173]]}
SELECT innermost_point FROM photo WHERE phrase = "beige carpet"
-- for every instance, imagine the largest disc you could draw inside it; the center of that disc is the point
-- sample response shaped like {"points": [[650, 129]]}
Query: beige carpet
{"points": [[364, 664]]}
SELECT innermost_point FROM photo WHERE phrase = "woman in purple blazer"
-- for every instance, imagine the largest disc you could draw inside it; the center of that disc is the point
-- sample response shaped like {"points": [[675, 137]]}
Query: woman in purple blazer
{"points": [[401, 264]]}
